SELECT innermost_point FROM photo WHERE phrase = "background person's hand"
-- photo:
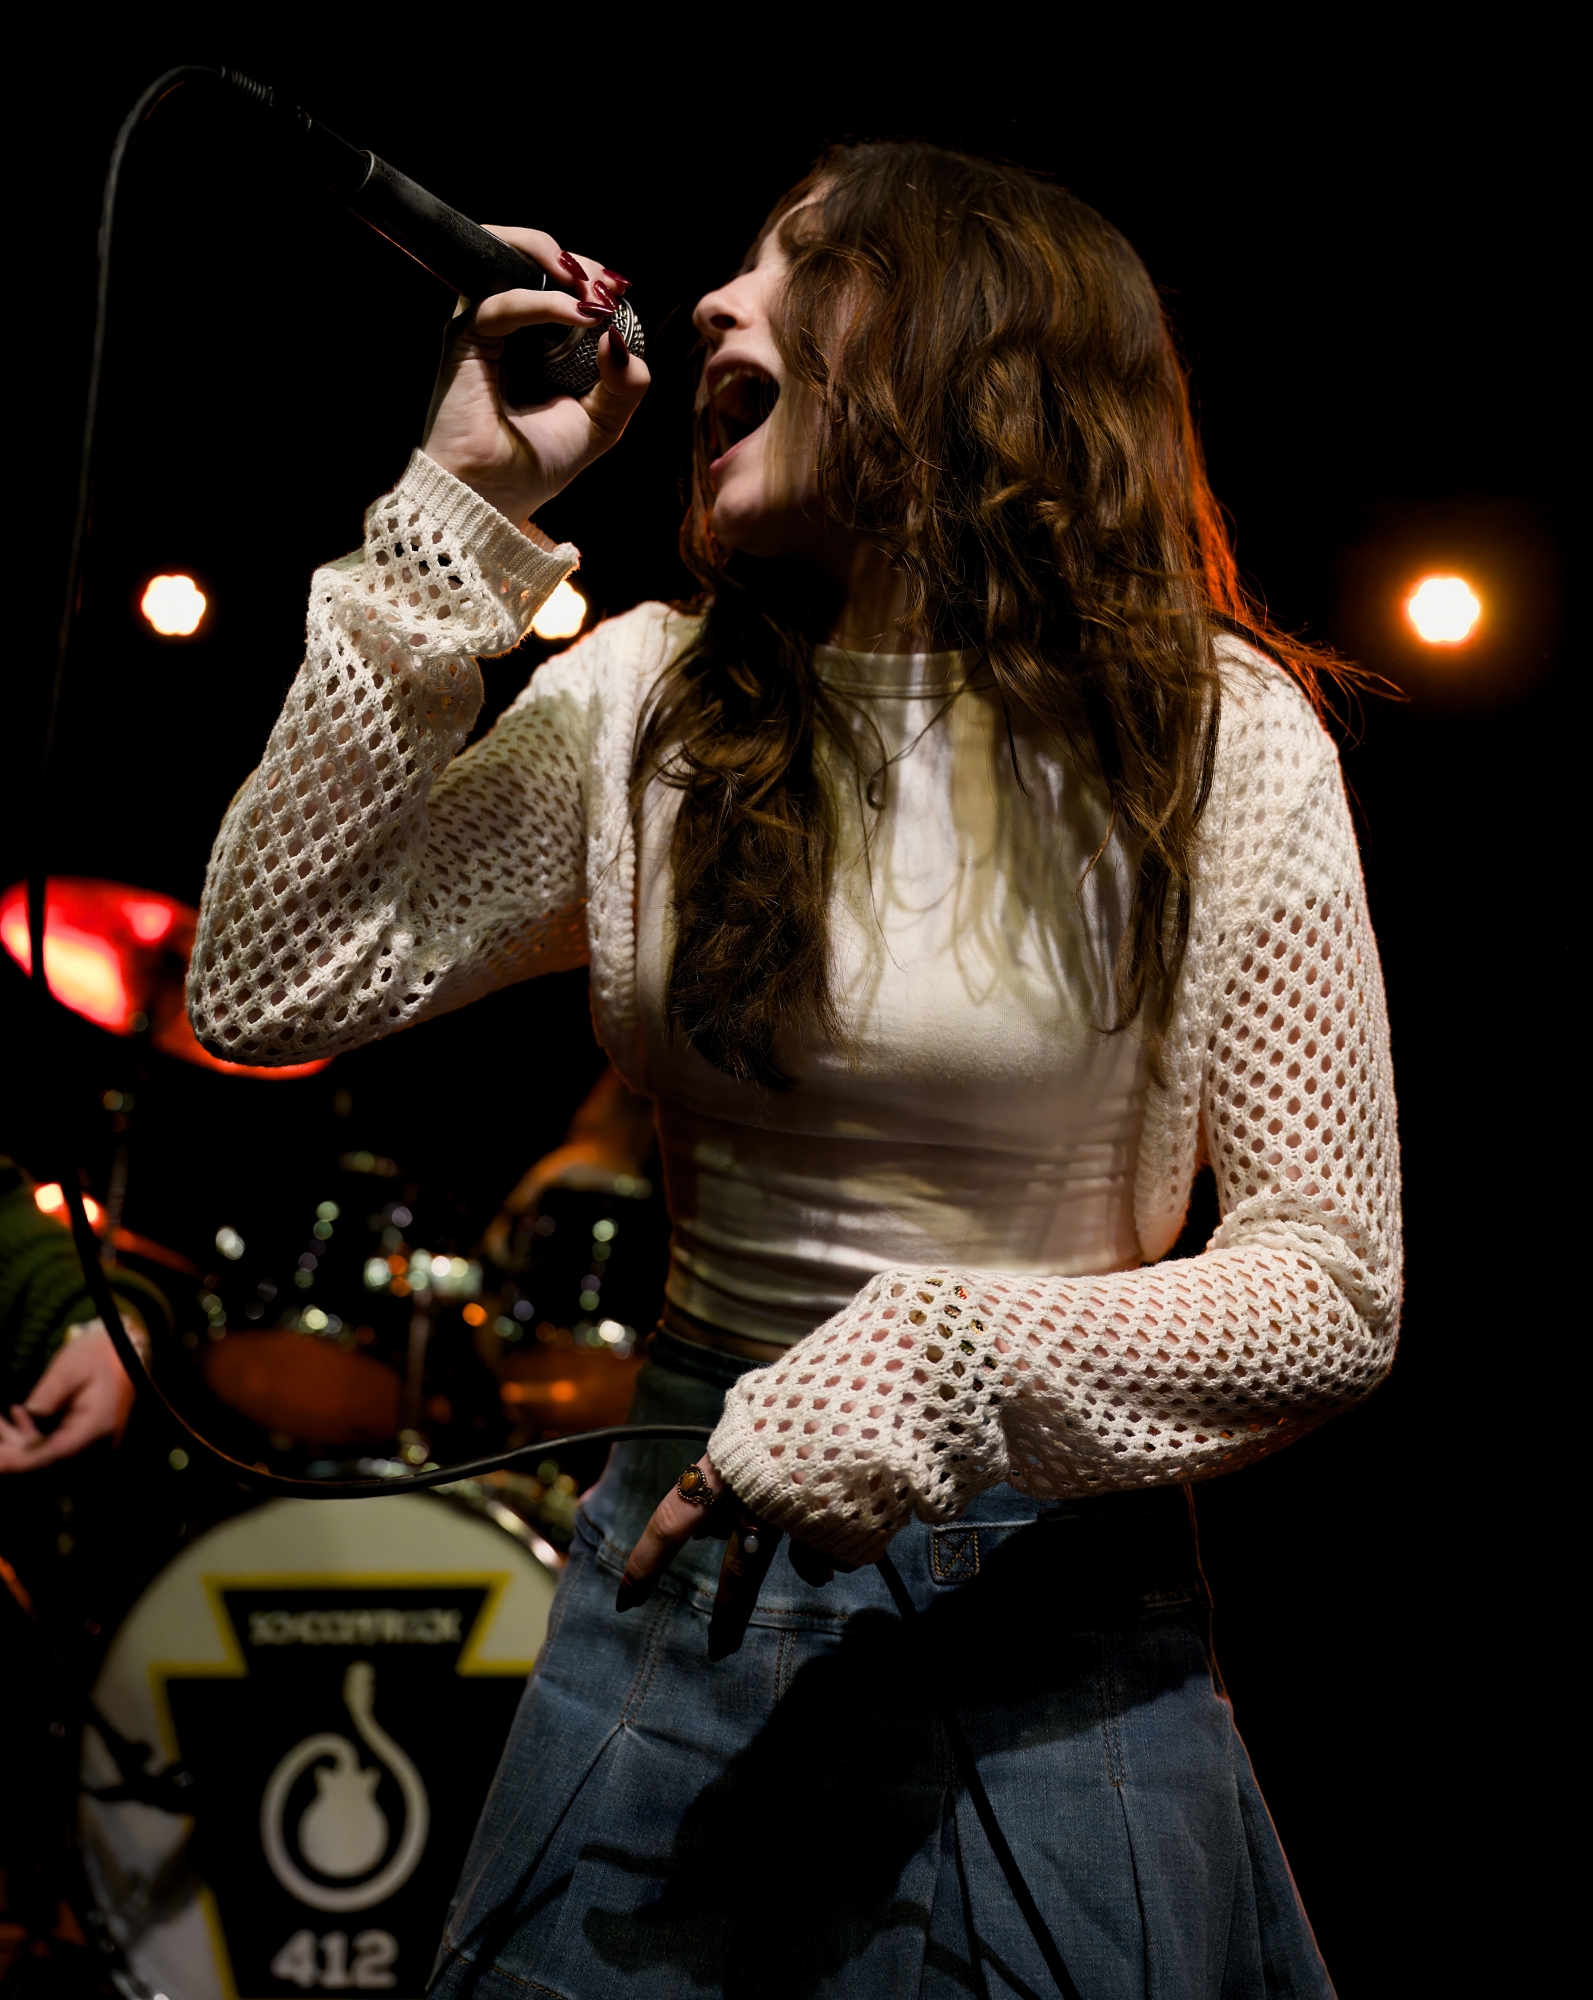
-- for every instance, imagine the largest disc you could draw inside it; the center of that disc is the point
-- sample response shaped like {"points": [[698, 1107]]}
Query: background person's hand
{"points": [[86, 1385], [518, 459]]}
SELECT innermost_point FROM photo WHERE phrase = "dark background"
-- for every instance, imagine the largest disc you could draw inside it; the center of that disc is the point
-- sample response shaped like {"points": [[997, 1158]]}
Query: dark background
{"points": [[1360, 247]]}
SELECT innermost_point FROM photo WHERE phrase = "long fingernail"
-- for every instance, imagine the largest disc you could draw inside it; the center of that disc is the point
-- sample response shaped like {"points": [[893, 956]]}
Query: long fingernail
{"points": [[605, 294], [594, 312], [575, 270], [614, 278], [629, 1594], [618, 351]]}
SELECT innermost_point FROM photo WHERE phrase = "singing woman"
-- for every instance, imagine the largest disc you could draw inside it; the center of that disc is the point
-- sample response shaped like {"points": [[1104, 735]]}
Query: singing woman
{"points": [[959, 873]]}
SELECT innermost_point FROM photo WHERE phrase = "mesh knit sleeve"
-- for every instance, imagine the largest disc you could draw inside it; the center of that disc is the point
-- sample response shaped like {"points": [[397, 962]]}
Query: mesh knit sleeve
{"points": [[935, 1384], [367, 875]]}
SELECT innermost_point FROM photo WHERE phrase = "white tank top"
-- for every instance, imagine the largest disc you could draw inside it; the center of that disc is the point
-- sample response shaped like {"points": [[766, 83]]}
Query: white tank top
{"points": [[982, 1114]]}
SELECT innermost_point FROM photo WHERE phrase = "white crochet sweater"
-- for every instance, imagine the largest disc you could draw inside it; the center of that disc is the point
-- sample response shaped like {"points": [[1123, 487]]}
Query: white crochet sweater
{"points": [[368, 875]]}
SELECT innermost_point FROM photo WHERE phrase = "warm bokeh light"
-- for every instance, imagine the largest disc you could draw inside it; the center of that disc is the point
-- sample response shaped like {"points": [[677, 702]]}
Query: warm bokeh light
{"points": [[561, 617], [51, 1201], [1444, 610], [150, 920], [84, 972], [174, 605]]}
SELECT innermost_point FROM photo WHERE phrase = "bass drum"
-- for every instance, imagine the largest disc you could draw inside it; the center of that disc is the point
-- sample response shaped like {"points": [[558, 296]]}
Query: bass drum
{"points": [[338, 1680]]}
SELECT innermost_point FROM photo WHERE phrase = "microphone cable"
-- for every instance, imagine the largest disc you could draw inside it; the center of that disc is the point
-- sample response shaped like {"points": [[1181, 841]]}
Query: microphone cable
{"points": [[279, 1484], [284, 1485]]}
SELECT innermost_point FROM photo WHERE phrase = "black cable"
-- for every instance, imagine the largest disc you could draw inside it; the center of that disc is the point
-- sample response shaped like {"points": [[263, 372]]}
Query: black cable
{"points": [[974, 1785], [38, 876]]}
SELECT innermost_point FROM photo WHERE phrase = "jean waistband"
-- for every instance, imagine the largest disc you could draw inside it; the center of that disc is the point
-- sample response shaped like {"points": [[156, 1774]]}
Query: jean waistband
{"points": [[670, 1346], [694, 1332]]}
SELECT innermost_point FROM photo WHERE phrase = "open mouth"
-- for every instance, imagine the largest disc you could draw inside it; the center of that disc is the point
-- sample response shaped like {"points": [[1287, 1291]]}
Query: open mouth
{"points": [[739, 402]]}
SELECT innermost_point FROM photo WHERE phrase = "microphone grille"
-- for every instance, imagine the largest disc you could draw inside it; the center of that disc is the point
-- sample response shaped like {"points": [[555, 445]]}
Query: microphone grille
{"points": [[574, 370]]}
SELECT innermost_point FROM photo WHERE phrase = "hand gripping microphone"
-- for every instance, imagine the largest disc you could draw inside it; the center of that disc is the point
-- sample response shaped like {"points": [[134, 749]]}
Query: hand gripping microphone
{"points": [[538, 361]]}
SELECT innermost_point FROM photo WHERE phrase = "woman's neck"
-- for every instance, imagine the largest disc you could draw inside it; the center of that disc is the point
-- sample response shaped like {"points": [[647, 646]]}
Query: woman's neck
{"points": [[874, 617]]}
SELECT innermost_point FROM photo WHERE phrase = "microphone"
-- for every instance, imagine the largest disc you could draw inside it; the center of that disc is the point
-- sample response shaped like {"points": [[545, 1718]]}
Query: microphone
{"points": [[538, 361]]}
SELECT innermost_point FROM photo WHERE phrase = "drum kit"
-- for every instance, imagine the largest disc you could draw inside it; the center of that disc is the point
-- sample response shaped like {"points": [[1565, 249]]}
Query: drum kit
{"points": [[318, 1695], [370, 1341]]}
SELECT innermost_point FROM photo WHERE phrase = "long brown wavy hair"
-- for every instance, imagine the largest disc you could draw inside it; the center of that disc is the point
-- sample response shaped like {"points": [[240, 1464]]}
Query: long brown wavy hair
{"points": [[1004, 413]]}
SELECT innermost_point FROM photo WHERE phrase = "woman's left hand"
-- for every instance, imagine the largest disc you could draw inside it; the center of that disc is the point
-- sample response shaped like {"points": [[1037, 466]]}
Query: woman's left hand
{"points": [[750, 1546]]}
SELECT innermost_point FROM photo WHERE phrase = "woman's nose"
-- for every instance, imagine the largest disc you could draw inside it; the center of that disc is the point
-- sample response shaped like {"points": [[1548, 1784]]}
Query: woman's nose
{"points": [[716, 314]]}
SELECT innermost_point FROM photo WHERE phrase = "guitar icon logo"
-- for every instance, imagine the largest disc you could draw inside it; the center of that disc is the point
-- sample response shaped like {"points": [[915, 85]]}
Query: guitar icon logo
{"points": [[343, 1833]]}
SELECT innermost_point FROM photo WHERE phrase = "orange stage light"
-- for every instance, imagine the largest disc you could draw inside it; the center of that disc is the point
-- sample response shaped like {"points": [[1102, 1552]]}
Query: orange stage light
{"points": [[50, 1200], [173, 605], [563, 614], [1444, 610]]}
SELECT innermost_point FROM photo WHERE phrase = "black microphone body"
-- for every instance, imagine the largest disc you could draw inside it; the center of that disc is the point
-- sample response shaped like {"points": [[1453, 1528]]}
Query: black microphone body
{"points": [[539, 362]]}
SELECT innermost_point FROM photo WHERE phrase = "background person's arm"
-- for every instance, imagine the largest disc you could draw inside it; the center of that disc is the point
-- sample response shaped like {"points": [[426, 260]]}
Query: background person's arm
{"points": [[55, 1357], [604, 1150]]}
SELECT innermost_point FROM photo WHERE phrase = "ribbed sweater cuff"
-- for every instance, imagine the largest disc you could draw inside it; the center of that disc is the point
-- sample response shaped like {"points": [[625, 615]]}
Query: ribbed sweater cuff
{"points": [[744, 1464], [523, 569]]}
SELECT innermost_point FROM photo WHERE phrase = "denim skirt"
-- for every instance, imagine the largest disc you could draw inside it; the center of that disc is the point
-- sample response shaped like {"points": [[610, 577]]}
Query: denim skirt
{"points": [[788, 1824]]}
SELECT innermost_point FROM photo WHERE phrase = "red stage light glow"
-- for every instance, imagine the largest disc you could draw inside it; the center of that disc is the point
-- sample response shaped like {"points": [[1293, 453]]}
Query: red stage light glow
{"points": [[116, 955], [150, 920], [83, 969]]}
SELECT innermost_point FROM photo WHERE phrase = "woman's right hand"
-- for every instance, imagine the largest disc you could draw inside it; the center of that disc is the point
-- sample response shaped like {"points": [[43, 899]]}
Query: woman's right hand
{"points": [[517, 460]]}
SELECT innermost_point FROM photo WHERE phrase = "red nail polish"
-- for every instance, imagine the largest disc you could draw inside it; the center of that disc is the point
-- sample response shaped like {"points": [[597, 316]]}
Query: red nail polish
{"points": [[617, 348], [568, 263], [605, 294], [620, 284], [594, 312]]}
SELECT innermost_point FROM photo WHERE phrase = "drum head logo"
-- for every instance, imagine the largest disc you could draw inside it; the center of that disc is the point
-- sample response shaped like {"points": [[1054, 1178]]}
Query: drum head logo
{"points": [[338, 1778], [343, 1834]]}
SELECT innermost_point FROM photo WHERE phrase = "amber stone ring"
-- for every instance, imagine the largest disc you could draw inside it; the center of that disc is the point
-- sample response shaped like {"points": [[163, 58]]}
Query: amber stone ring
{"points": [[693, 1485]]}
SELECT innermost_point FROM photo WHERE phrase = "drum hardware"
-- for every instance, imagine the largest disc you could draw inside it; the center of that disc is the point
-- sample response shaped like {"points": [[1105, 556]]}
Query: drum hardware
{"points": [[415, 1358], [595, 1256], [170, 1789]]}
